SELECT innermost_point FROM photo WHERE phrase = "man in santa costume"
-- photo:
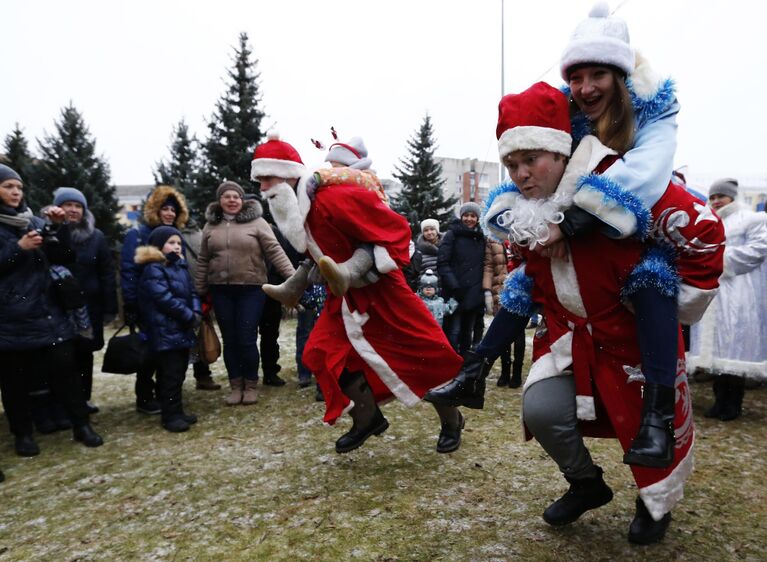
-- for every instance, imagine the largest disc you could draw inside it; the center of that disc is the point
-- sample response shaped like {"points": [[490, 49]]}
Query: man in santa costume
{"points": [[374, 342], [586, 378]]}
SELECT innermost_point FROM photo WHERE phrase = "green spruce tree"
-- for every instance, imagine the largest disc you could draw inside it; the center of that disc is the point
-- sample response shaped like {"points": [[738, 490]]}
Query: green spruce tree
{"points": [[182, 169], [18, 157], [68, 158], [235, 126], [421, 196]]}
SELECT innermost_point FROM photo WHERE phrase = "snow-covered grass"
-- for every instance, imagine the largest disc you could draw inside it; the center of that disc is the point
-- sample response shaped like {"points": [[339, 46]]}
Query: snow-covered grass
{"points": [[264, 483]]}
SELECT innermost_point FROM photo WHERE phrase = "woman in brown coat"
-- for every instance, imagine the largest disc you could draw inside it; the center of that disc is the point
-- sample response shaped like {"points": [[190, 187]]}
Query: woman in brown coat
{"points": [[236, 242], [497, 259]]}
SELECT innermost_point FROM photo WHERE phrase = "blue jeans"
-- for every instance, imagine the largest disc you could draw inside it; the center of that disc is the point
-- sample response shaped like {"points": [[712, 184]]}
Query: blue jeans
{"points": [[460, 329], [238, 310], [306, 320]]}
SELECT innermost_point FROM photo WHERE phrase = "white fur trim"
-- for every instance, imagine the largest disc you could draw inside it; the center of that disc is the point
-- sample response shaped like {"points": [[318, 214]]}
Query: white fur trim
{"points": [[566, 286], [534, 138], [584, 408], [552, 364], [284, 207], [597, 49], [662, 496], [353, 322], [383, 261], [693, 303], [263, 167], [610, 212]]}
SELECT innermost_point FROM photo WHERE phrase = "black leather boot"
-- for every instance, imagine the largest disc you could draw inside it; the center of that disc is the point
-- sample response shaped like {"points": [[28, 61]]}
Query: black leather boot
{"points": [[732, 405], [467, 388], [367, 417], [87, 436], [719, 387], [450, 437], [584, 494], [516, 375], [644, 529], [654, 444], [25, 446]]}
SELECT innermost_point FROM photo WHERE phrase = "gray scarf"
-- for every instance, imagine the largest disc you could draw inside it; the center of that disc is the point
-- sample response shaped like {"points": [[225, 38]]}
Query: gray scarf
{"points": [[18, 220]]}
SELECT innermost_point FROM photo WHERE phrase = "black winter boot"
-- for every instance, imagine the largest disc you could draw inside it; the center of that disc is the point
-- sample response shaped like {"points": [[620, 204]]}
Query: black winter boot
{"points": [[87, 436], [584, 494], [734, 389], [175, 425], [25, 446], [367, 417], [452, 423], [467, 388], [719, 387], [644, 529], [516, 375], [654, 444]]}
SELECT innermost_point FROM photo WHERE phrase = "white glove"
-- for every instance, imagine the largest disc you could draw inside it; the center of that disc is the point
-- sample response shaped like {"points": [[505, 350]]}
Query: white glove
{"points": [[489, 303]]}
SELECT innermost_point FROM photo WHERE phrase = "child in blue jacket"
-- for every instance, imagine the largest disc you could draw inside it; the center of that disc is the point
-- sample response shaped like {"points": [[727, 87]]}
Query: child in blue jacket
{"points": [[169, 313]]}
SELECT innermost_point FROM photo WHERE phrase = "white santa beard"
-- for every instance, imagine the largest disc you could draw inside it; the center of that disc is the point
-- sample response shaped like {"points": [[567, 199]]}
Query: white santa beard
{"points": [[283, 205]]}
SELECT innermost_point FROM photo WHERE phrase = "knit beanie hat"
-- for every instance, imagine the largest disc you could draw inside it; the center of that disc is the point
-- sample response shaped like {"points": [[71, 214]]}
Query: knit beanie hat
{"points": [[353, 154], [599, 39], [276, 158], [725, 186], [8, 173], [536, 119], [160, 235], [65, 194], [470, 207], [229, 186], [428, 279], [434, 223]]}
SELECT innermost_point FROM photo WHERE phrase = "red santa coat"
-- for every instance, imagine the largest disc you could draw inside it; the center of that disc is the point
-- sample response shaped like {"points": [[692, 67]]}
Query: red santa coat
{"points": [[383, 330]]}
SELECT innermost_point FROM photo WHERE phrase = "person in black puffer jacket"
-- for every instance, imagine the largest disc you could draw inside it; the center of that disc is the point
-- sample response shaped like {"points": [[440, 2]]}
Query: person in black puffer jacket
{"points": [[169, 313], [34, 328], [426, 247], [460, 263]]}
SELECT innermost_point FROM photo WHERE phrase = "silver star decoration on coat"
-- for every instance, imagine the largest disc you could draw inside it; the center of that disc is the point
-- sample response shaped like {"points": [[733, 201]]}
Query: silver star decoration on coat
{"points": [[634, 373], [704, 213]]}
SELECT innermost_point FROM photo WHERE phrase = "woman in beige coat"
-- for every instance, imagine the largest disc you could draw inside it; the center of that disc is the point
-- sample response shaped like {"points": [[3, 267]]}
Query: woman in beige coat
{"points": [[231, 268]]}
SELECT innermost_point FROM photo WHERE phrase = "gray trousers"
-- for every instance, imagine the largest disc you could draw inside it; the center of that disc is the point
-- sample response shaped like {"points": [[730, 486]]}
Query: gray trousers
{"points": [[550, 415]]}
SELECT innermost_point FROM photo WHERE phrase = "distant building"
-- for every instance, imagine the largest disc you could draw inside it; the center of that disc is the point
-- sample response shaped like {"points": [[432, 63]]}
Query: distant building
{"points": [[468, 179], [130, 198]]}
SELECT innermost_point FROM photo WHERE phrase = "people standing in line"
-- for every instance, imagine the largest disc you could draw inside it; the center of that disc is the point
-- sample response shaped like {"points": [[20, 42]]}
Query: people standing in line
{"points": [[460, 264], [164, 206], [34, 328], [191, 236], [497, 267], [236, 242], [94, 269], [730, 341], [169, 313], [355, 349]]}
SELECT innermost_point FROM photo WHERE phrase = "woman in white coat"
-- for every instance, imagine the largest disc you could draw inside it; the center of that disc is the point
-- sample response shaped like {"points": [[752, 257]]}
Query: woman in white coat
{"points": [[729, 341]]}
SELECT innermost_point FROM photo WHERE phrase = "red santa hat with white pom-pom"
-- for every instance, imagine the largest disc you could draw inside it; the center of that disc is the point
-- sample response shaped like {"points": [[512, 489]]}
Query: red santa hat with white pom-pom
{"points": [[276, 158]]}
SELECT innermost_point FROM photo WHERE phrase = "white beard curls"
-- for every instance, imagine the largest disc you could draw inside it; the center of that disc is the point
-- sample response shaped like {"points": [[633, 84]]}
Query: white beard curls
{"points": [[528, 219], [283, 205]]}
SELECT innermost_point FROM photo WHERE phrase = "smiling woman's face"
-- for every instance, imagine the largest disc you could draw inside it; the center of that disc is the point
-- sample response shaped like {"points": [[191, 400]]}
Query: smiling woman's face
{"points": [[593, 89]]}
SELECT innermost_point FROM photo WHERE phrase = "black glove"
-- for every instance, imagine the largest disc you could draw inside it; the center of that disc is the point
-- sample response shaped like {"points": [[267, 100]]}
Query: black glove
{"points": [[130, 314], [577, 221]]}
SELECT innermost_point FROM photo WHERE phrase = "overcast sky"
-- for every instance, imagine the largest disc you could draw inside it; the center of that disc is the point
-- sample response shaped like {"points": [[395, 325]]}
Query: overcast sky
{"points": [[369, 68]]}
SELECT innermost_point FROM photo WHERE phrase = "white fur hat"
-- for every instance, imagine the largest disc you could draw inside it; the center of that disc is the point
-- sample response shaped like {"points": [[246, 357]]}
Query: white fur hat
{"points": [[353, 154], [434, 223], [599, 39]]}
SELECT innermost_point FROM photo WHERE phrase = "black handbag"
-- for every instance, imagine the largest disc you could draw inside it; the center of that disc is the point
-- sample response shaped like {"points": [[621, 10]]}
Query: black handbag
{"points": [[125, 354]]}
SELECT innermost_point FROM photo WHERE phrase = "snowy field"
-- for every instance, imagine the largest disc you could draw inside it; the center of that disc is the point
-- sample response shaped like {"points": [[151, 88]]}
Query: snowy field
{"points": [[264, 483]]}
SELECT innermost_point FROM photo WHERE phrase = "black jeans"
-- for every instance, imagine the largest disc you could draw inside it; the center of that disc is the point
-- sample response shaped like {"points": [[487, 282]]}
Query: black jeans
{"points": [[269, 330], [84, 359], [17, 369], [146, 388], [171, 372]]}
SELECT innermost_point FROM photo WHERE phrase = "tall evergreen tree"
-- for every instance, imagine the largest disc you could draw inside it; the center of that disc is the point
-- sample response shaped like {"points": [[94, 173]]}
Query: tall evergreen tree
{"points": [[235, 127], [421, 196], [18, 157], [68, 158], [182, 169]]}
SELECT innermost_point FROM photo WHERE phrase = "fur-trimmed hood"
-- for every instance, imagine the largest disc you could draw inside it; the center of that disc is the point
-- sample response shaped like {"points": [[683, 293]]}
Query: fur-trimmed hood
{"points": [[149, 254], [250, 211], [81, 231], [154, 202]]}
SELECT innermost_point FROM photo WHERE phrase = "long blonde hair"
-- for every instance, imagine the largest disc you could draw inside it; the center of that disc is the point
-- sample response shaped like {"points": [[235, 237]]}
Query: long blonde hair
{"points": [[615, 127]]}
